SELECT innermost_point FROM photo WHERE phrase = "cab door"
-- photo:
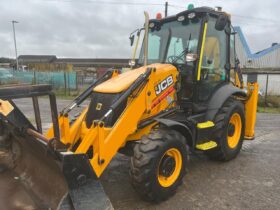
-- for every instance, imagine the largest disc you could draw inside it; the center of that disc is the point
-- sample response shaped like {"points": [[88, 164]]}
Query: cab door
{"points": [[213, 60]]}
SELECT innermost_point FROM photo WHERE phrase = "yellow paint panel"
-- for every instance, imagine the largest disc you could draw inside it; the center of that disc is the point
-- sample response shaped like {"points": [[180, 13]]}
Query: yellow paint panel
{"points": [[123, 81], [207, 124], [251, 110], [120, 82], [5, 107], [141, 132], [207, 145], [237, 81]]}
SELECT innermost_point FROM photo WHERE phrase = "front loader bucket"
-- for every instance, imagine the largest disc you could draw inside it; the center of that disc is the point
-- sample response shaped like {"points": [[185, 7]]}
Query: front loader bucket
{"points": [[53, 178], [39, 174]]}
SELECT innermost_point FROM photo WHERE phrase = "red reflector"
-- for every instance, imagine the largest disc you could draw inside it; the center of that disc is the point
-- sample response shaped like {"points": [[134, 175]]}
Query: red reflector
{"points": [[159, 16]]}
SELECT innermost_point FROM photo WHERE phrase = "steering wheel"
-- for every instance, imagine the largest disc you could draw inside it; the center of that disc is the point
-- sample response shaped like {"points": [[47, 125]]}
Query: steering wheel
{"points": [[173, 58]]}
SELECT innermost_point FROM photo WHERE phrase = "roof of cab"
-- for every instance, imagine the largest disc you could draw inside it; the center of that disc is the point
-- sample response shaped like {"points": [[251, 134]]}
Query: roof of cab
{"points": [[201, 10]]}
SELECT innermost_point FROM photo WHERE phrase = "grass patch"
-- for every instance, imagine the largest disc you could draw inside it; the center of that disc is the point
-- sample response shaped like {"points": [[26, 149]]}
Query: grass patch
{"points": [[268, 110], [271, 101], [272, 104]]}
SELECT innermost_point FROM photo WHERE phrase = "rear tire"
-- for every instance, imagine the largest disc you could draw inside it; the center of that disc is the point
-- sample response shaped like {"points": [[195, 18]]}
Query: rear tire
{"points": [[229, 131], [158, 165]]}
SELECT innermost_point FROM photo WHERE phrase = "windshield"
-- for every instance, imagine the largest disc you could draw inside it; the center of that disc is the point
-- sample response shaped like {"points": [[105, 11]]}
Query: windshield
{"points": [[171, 40]]}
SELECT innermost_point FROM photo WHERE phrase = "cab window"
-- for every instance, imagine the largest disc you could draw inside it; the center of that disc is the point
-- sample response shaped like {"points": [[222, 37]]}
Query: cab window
{"points": [[175, 48], [214, 59]]}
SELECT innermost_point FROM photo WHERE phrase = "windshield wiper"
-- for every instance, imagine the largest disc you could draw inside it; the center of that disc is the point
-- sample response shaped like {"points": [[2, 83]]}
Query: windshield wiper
{"points": [[167, 44]]}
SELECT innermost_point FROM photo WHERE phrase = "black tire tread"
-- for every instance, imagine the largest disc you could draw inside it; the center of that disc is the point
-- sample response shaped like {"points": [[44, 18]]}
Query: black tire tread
{"points": [[220, 125], [142, 163]]}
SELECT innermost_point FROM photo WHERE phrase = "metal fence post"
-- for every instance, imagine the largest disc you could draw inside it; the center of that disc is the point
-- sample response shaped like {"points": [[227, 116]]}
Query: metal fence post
{"points": [[65, 84], [34, 77], [68, 83], [266, 89], [76, 75]]}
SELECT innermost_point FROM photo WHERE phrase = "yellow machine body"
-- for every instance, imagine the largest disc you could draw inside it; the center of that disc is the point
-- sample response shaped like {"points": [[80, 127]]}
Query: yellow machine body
{"points": [[251, 106], [208, 115], [106, 141]]}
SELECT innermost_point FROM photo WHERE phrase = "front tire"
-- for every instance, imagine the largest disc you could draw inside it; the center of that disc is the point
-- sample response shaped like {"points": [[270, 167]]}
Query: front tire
{"points": [[158, 165], [229, 131]]}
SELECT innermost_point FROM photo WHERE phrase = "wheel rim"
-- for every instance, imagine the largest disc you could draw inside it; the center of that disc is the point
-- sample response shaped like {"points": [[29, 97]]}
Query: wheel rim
{"points": [[169, 167], [234, 130]]}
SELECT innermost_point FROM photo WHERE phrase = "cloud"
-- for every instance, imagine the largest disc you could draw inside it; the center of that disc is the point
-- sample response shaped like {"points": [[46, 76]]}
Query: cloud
{"points": [[72, 28]]}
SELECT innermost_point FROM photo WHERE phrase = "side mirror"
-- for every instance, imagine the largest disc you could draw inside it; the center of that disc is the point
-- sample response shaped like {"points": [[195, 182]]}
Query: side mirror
{"points": [[190, 57], [221, 22], [131, 39]]}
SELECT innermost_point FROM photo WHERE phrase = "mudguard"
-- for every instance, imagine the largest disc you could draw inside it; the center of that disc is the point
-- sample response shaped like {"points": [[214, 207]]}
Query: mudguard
{"points": [[219, 98], [180, 127]]}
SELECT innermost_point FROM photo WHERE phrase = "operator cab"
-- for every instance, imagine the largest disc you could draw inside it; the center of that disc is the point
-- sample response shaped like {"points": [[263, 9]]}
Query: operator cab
{"points": [[196, 42]]}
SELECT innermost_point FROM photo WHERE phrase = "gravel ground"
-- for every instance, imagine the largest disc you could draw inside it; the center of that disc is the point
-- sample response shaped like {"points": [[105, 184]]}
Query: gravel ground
{"points": [[251, 181]]}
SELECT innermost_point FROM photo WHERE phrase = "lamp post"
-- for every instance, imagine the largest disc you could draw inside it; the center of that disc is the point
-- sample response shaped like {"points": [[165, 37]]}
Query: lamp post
{"points": [[13, 22]]}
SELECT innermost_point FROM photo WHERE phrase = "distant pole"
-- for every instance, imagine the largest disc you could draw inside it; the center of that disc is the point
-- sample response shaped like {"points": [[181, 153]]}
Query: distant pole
{"points": [[15, 41], [266, 89], [166, 8]]}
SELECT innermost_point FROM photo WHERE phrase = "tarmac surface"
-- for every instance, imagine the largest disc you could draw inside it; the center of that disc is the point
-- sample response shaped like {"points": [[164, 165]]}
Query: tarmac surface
{"points": [[251, 181]]}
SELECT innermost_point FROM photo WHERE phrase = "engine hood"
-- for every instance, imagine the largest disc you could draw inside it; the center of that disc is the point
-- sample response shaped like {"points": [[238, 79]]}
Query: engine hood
{"points": [[123, 81]]}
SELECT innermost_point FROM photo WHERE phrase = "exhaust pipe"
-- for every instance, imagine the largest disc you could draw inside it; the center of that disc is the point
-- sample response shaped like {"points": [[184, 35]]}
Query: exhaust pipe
{"points": [[146, 38]]}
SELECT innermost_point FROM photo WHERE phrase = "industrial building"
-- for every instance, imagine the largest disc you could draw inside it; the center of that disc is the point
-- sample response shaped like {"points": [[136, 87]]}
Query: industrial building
{"points": [[267, 58], [51, 62]]}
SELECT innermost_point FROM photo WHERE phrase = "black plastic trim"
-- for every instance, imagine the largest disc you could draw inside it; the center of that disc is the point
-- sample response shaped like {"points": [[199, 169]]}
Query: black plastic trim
{"points": [[180, 127], [220, 97]]}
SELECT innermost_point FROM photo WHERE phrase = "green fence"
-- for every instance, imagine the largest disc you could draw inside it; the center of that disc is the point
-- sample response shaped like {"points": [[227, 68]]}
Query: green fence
{"points": [[58, 79], [63, 82]]}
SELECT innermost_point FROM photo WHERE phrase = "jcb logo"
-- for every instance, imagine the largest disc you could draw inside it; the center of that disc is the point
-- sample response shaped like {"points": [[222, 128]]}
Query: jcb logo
{"points": [[163, 85]]}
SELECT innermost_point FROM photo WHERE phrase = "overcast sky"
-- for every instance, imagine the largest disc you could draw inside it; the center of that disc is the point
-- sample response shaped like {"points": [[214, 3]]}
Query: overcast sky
{"points": [[92, 29]]}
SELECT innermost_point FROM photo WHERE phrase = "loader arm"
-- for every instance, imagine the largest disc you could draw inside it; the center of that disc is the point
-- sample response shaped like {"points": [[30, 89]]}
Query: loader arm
{"points": [[101, 142], [110, 142]]}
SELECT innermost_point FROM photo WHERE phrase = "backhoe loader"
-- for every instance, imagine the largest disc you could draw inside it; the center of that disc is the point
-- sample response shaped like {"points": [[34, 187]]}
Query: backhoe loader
{"points": [[184, 94]]}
